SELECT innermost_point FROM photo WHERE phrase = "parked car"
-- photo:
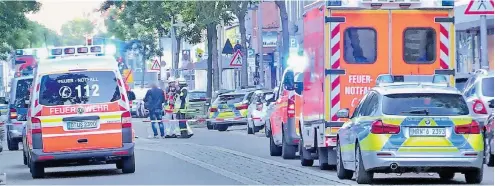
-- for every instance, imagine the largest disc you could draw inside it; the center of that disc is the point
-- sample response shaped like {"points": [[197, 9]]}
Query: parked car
{"points": [[197, 104], [488, 133], [229, 109], [478, 93], [138, 109], [256, 111]]}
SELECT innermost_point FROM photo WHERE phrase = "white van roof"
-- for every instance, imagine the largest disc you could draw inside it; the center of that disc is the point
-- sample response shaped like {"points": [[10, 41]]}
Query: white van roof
{"points": [[78, 62]]}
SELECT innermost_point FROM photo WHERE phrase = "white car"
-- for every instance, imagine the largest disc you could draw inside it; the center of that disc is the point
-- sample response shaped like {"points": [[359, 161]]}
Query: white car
{"points": [[138, 105], [257, 110]]}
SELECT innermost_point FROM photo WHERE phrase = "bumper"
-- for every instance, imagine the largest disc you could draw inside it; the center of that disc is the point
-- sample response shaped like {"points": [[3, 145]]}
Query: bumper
{"points": [[290, 132], [229, 121], [258, 122], [15, 134], [127, 150], [374, 162]]}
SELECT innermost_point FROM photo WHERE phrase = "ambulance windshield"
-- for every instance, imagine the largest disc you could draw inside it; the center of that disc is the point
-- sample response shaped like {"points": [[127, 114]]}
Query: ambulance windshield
{"points": [[79, 88]]}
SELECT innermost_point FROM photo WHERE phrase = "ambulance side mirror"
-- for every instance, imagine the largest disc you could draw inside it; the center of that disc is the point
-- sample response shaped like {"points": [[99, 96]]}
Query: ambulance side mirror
{"points": [[131, 95]]}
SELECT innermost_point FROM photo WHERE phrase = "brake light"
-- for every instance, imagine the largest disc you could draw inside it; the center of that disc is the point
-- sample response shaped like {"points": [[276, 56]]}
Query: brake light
{"points": [[259, 106], [13, 113], [213, 110], [291, 107], [126, 120], [35, 125], [472, 128], [378, 127], [241, 107], [479, 107]]}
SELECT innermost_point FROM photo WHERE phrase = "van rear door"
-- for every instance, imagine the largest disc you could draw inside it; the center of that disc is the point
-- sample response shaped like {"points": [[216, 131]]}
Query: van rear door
{"points": [[420, 45], [81, 111], [357, 45]]}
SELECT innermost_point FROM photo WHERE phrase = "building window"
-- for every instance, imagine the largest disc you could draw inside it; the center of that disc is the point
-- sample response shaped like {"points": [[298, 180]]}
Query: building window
{"points": [[419, 45], [360, 45]]}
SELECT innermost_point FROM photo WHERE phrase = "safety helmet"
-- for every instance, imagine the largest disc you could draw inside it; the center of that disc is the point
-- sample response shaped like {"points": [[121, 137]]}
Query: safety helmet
{"points": [[181, 81]]}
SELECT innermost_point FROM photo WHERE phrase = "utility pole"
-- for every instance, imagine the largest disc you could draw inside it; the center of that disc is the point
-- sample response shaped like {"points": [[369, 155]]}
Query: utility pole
{"points": [[484, 43], [259, 15]]}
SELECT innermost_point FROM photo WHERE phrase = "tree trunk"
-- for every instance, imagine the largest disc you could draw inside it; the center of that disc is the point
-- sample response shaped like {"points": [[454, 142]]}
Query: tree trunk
{"points": [[214, 58], [242, 28], [209, 74], [285, 33]]}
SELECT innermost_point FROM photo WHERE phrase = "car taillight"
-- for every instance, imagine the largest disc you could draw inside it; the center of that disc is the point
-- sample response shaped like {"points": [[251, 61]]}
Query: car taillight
{"points": [[241, 107], [35, 125], [259, 106], [479, 107], [472, 128], [213, 109], [378, 127], [13, 113], [126, 120], [291, 108]]}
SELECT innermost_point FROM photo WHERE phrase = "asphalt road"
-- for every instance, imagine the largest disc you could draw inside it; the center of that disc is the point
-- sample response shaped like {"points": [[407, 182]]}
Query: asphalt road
{"points": [[209, 157]]}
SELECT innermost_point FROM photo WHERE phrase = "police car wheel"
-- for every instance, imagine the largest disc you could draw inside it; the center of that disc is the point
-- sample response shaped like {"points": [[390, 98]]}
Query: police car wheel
{"points": [[221, 128], [250, 129], [362, 176], [209, 126], [474, 176], [128, 165], [446, 175], [37, 170]]}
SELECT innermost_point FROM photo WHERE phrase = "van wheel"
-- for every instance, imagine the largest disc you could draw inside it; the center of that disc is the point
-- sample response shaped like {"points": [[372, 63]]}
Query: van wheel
{"points": [[342, 173], [37, 169], [302, 153], [274, 149], [24, 158], [474, 176], [288, 151], [128, 165], [362, 176]]}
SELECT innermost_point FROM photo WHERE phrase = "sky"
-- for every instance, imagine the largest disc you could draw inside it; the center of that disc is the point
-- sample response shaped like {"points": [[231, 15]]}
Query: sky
{"points": [[54, 13]]}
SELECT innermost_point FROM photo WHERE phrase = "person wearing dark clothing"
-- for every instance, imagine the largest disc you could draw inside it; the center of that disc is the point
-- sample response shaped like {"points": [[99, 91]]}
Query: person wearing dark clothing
{"points": [[153, 101]]}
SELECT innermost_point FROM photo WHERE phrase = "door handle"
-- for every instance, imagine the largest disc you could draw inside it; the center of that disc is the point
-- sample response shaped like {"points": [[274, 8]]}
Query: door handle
{"points": [[82, 141]]}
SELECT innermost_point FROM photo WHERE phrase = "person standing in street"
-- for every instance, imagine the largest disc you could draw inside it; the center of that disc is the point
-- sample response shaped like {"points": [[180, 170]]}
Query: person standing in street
{"points": [[153, 101], [171, 127], [182, 104]]}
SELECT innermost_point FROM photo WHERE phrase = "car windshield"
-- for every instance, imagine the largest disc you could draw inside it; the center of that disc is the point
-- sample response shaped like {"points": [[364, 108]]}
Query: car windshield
{"points": [[425, 104], [79, 88], [22, 92], [197, 95], [229, 99], [487, 86]]}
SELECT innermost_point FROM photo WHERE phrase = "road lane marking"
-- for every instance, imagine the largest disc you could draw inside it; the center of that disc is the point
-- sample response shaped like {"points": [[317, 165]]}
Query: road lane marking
{"points": [[210, 167]]}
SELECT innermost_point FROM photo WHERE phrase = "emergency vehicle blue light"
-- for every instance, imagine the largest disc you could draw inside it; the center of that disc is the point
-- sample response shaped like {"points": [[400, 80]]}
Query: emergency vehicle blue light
{"points": [[100, 54], [385, 78], [440, 79], [334, 3], [56, 52], [19, 52], [447, 2], [69, 51], [95, 49]]}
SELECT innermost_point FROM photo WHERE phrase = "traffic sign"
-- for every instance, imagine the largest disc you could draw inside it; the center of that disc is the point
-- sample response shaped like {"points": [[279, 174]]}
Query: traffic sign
{"points": [[479, 7], [236, 59], [155, 66]]}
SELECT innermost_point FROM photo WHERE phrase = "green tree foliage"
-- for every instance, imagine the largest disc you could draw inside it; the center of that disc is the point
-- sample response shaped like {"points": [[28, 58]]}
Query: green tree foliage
{"points": [[74, 32], [12, 20], [239, 9]]}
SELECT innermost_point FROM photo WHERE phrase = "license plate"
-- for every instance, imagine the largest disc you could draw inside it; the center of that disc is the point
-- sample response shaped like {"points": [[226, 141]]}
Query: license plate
{"points": [[78, 125], [426, 131]]}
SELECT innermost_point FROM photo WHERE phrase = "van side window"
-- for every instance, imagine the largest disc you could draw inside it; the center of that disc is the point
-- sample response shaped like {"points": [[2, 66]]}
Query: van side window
{"points": [[419, 45], [360, 45]]}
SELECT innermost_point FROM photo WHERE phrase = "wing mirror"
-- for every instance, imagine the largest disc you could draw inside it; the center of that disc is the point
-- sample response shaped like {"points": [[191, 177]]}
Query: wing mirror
{"points": [[343, 113]]}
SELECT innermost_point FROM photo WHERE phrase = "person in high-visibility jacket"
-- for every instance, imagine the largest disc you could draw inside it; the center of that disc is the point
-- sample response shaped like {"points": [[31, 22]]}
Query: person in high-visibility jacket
{"points": [[182, 104], [171, 127]]}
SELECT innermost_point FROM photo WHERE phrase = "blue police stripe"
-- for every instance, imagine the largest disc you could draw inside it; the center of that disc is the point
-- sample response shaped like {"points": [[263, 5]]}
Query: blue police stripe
{"points": [[234, 110]]}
